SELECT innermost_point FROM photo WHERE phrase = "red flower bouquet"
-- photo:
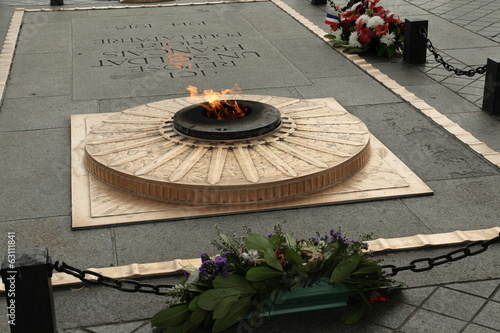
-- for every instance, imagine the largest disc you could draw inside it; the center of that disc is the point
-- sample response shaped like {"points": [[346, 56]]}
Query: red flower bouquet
{"points": [[366, 26]]}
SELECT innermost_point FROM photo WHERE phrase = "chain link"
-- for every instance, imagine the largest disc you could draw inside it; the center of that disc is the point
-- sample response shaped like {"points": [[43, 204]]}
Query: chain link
{"points": [[425, 264], [447, 66], [126, 285], [132, 286]]}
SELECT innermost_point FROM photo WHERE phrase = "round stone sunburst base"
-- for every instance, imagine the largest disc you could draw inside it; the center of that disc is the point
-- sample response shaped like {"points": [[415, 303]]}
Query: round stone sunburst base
{"points": [[318, 145]]}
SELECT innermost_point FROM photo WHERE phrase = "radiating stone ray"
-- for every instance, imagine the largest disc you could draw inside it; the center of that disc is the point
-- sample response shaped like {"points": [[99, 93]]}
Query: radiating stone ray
{"points": [[315, 115], [188, 163], [246, 163], [217, 162], [124, 138], [179, 149], [142, 113], [288, 149], [141, 154], [283, 104], [187, 102], [266, 99], [328, 139], [275, 160], [161, 105], [304, 108], [330, 122], [329, 130], [330, 151], [126, 130], [132, 121], [143, 143]]}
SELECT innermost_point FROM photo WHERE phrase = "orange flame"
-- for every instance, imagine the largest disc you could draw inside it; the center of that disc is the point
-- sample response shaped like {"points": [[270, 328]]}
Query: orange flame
{"points": [[218, 108]]}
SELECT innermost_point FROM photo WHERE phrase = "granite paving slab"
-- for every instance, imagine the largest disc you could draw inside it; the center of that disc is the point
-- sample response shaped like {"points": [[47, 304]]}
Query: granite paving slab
{"points": [[123, 54], [21, 114], [35, 183]]}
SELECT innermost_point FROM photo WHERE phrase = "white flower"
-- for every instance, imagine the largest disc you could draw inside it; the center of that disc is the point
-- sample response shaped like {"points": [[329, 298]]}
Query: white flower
{"points": [[363, 18], [374, 21], [354, 6], [251, 257], [353, 39], [194, 273], [336, 33], [388, 39]]}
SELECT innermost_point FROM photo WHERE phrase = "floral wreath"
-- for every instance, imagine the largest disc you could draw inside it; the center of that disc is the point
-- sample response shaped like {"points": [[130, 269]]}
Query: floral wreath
{"points": [[366, 26], [232, 285]]}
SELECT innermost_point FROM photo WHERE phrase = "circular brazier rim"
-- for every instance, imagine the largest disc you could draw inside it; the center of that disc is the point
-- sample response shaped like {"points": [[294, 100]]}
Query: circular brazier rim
{"points": [[262, 119]]}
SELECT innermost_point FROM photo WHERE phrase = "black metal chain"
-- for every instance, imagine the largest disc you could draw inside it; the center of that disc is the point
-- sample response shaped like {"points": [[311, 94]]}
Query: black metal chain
{"points": [[447, 66], [132, 286], [126, 285], [425, 264]]}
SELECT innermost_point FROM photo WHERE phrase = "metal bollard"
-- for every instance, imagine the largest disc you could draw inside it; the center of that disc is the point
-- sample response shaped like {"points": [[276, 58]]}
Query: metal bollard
{"points": [[491, 96], [56, 2], [415, 46], [28, 288]]}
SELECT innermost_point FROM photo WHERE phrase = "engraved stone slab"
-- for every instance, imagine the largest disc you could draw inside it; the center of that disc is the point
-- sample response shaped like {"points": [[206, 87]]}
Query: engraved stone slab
{"points": [[97, 204], [158, 54]]}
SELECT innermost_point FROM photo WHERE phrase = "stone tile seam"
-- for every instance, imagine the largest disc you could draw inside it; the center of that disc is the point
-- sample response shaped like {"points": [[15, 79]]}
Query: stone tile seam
{"points": [[485, 298], [453, 128], [417, 308], [421, 307]]}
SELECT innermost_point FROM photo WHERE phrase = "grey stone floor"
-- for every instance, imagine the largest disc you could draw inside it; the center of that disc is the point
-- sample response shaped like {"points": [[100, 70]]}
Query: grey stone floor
{"points": [[457, 297]]}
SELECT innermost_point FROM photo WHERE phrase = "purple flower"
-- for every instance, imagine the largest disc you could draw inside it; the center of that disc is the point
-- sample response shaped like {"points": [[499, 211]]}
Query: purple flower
{"points": [[221, 265], [207, 270]]}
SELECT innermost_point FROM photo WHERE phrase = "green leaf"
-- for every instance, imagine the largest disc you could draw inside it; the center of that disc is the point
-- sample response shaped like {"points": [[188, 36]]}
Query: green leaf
{"points": [[175, 329], [258, 242], [225, 239], [368, 270], [354, 316], [198, 316], [210, 298], [172, 316], [272, 260], [189, 326], [209, 321], [329, 36], [224, 306], [344, 269], [262, 273], [237, 311], [193, 305], [295, 258], [354, 50], [195, 288], [234, 281], [290, 240]]}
